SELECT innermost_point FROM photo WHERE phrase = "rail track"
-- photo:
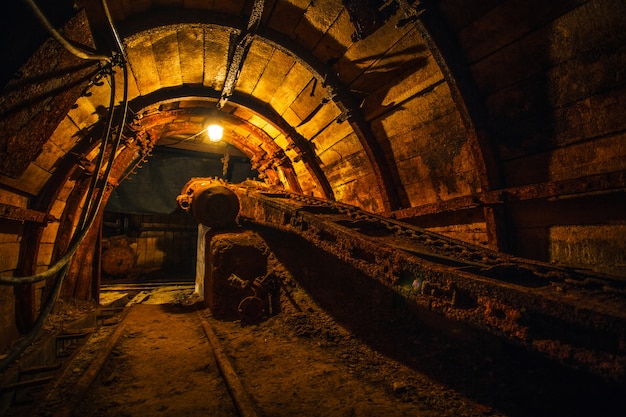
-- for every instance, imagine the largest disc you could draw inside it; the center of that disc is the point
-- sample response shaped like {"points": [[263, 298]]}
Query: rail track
{"points": [[75, 387], [174, 359], [241, 401], [166, 359]]}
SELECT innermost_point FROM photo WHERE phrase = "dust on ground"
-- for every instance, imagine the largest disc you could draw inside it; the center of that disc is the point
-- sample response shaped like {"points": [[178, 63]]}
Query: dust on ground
{"points": [[304, 361]]}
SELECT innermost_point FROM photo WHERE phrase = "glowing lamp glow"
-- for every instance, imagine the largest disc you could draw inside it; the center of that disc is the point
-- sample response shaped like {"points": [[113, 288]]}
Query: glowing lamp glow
{"points": [[215, 132]]}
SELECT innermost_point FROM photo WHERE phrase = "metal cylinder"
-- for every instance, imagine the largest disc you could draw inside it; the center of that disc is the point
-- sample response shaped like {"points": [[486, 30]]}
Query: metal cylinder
{"points": [[212, 205]]}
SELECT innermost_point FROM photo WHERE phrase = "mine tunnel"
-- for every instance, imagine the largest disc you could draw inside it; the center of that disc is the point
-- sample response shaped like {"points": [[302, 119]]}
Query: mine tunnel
{"points": [[313, 208]]}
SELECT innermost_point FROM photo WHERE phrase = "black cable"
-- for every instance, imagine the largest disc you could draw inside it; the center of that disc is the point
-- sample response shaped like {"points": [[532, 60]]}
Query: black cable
{"points": [[87, 219], [54, 293], [64, 42], [87, 216], [84, 221]]}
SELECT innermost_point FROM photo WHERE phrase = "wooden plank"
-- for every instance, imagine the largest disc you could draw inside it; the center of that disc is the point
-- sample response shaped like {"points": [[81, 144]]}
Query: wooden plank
{"points": [[415, 111], [295, 81], [267, 10], [65, 135], [534, 194], [330, 135], [99, 96], [474, 233], [168, 3], [68, 221], [308, 99], [22, 214], [362, 54], [142, 62], [254, 65], [191, 47], [348, 168], [83, 113], [49, 234], [562, 40], [321, 118], [567, 85], [318, 18], [274, 75], [418, 192], [360, 193], [35, 104], [30, 182], [460, 13], [588, 71], [508, 22], [408, 55], [426, 138], [165, 48], [543, 129], [197, 4], [392, 96], [572, 34], [336, 40], [286, 15], [116, 8], [215, 57], [133, 7], [49, 156], [442, 183], [133, 89], [342, 148], [603, 155], [234, 7], [141, 252], [291, 117]]}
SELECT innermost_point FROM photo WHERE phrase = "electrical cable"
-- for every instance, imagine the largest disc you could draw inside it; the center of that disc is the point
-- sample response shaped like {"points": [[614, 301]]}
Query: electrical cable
{"points": [[100, 161], [89, 212], [64, 42], [118, 40], [56, 288], [84, 222], [88, 216]]}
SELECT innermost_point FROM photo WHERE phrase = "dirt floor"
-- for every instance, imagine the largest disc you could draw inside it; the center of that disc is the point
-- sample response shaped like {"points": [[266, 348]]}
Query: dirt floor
{"points": [[303, 362], [163, 367], [338, 345]]}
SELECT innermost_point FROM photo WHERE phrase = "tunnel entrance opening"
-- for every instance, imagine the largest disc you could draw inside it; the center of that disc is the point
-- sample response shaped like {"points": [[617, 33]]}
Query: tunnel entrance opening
{"points": [[146, 238]]}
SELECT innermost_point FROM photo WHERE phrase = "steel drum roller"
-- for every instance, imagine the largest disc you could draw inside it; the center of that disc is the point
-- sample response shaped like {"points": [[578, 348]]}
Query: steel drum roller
{"points": [[211, 204]]}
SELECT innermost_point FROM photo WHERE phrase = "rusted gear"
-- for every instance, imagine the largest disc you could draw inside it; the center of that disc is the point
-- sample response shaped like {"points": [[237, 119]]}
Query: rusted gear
{"points": [[251, 310]]}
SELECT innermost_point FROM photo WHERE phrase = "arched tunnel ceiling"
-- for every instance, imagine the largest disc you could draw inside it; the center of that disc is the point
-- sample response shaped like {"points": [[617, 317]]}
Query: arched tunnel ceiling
{"points": [[324, 97], [281, 87], [448, 115]]}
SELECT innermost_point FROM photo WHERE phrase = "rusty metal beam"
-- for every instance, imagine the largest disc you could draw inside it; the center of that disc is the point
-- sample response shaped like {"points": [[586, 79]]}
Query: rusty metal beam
{"points": [[239, 51], [593, 184], [534, 305], [33, 106], [81, 269], [21, 214]]}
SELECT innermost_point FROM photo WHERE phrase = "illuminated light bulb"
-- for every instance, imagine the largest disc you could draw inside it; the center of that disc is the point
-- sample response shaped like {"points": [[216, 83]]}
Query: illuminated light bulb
{"points": [[215, 132]]}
